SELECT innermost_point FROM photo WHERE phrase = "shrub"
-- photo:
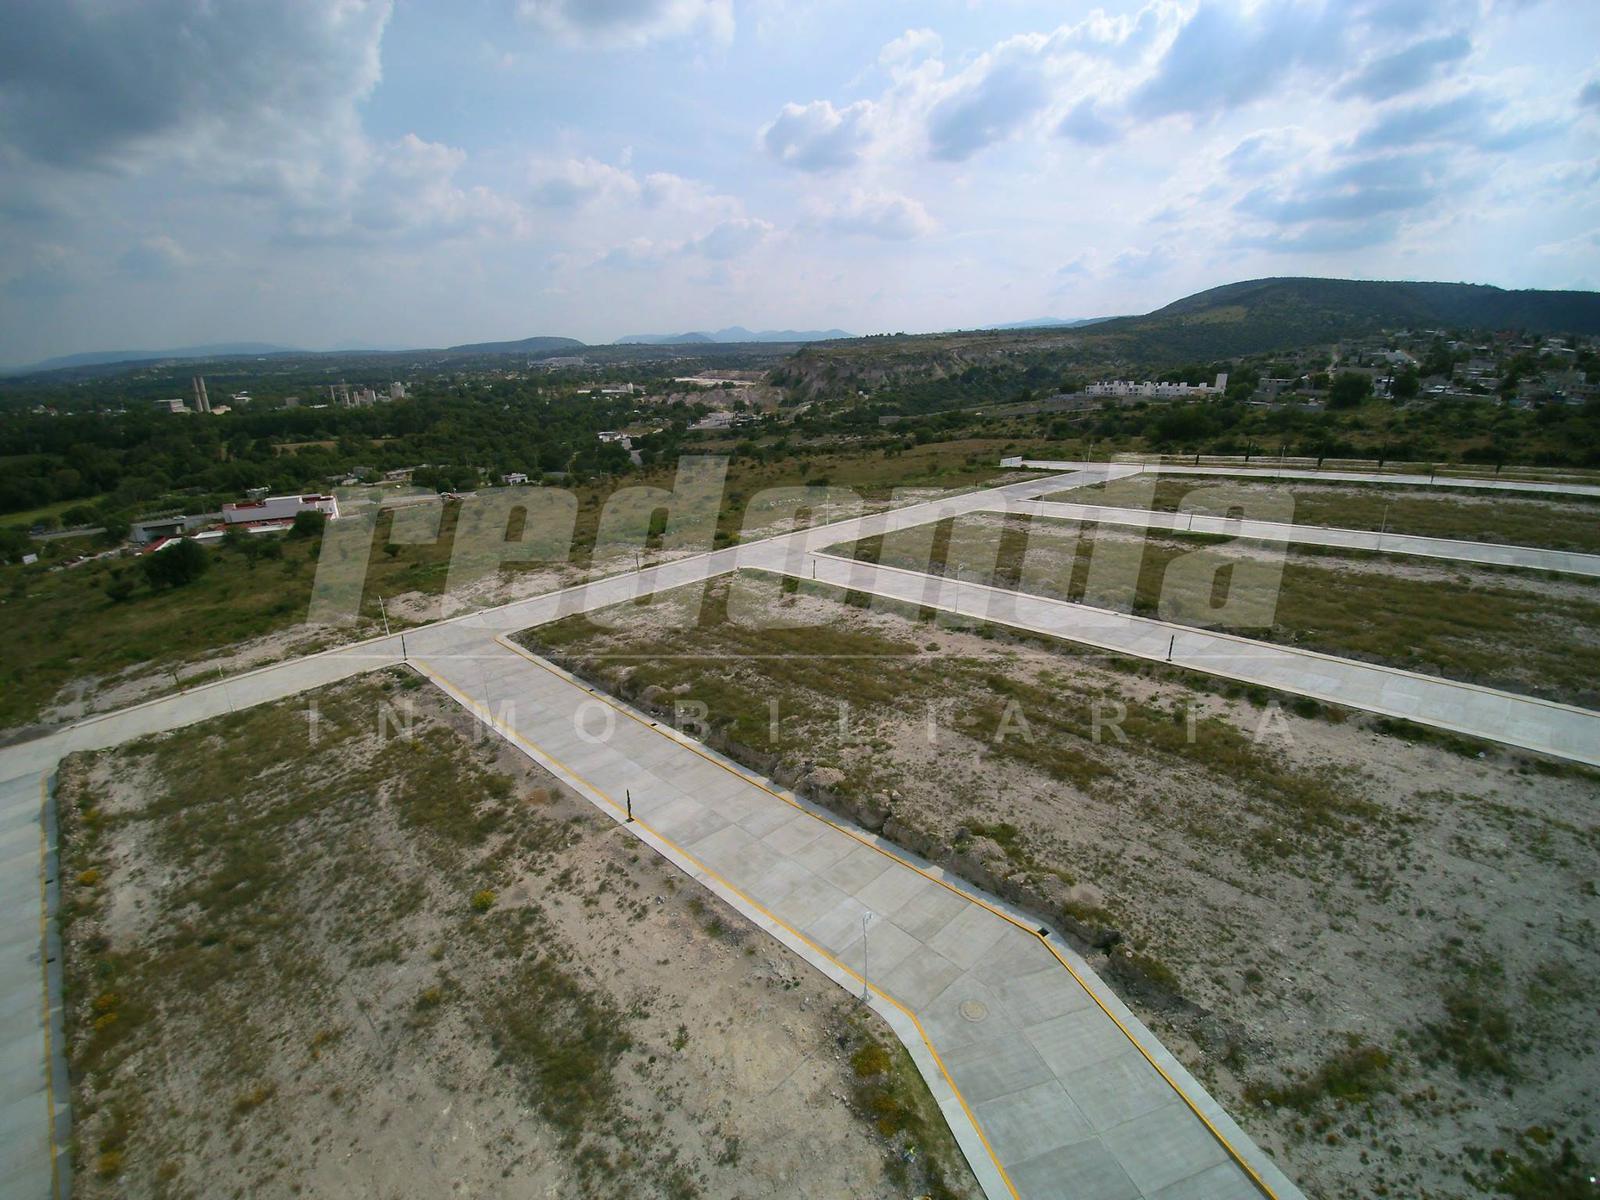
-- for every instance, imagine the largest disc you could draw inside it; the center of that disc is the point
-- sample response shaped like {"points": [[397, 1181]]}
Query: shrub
{"points": [[1353, 1074], [482, 900], [175, 565], [308, 522], [871, 1059]]}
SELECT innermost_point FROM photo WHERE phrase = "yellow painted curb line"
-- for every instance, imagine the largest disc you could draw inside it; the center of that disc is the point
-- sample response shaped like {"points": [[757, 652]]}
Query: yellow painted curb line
{"points": [[687, 743], [512, 736]]}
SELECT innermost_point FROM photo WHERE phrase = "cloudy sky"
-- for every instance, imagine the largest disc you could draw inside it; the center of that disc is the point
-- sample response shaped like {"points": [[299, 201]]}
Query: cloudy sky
{"points": [[359, 172]]}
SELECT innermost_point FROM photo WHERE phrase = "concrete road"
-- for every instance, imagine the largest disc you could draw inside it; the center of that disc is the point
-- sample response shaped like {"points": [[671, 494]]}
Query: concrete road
{"points": [[1454, 549], [34, 1116], [1547, 488], [1052, 1087], [28, 1144], [1521, 721]]}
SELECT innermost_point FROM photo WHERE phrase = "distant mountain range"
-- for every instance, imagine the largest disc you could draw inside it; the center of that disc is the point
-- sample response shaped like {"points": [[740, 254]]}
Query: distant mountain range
{"points": [[1249, 317], [529, 345], [1051, 323], [96, 358], [734, 333]]}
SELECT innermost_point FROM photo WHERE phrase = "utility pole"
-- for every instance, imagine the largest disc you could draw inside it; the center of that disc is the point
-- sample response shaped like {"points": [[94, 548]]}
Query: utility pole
{"points": [[385, 613], [1171, 642], [629, 793]]}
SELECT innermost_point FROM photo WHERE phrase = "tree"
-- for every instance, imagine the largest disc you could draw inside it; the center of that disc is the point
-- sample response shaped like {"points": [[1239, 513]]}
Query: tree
{"points": [[1348, 390], [119, 587], [176, 565], [308, 522], [1406, 384], [14, 543]]}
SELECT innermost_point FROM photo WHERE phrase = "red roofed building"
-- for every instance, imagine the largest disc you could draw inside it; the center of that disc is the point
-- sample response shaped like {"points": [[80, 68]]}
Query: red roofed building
{"points": [[279, 508]]}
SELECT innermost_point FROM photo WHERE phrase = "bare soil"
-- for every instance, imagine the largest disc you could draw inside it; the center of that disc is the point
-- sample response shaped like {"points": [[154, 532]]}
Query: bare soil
{"points": [[1371, 942], [403, 962]]}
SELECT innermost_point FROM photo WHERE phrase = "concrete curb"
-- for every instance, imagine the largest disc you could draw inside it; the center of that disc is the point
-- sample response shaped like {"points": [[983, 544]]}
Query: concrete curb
{"points": [[1186, 654], [1532, 558]]}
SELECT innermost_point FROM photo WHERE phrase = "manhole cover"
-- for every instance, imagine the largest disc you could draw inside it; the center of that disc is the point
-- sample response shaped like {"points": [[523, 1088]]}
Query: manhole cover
{"points": [[974, 1010]]}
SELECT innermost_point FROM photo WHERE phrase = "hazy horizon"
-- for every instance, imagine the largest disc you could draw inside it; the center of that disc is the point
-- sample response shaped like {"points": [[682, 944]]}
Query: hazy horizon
{"points": [[184, 174]]}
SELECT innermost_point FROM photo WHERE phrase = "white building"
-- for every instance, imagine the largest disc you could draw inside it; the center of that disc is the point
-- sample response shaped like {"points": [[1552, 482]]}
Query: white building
{"points": [[513, 479], [1154, 390], [279, 508], [171, 406]]}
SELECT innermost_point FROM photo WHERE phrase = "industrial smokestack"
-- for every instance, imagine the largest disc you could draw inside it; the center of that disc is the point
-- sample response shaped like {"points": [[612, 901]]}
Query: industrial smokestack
{"points": [[202, 403]]}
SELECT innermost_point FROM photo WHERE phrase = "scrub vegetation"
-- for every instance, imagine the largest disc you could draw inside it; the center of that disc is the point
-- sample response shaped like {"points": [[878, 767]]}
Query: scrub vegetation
{"points": [[1564, 523], [1523, 631], [405, 955], [1251, 871]]}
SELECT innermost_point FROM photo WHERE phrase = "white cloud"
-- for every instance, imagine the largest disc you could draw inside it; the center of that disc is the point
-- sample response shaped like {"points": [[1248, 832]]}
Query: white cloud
{"points": [[573, 182], [724, 242], [248, 92], [406, 191], [990, 102], [885, 215], [1027, 82], [1418, 64], [629, 23], [1086, 126], [664, 191], [730, 239], [817, 136], [910, 47], [1144, 263], [157, 257]]}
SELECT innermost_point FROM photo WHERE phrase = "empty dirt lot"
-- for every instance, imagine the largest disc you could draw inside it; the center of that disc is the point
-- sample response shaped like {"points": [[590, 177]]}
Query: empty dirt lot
{"points": [[1556, 523], [340, 946], [1531, 632], [1369, 940]]}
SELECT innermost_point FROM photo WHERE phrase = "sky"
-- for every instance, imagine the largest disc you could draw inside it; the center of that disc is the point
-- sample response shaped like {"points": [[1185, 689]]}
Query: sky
{"points": [[422, 173]]}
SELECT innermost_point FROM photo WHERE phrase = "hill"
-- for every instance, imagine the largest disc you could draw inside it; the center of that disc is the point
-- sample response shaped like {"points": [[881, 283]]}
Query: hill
{"points": [[528, 345], [1052, 323], [732, 334], [1257, 316], [1260, 315], [97, 358]]}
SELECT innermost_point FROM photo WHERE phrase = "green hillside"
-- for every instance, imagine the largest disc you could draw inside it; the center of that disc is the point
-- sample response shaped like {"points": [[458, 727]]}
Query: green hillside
{"points": [[1260, 315]]}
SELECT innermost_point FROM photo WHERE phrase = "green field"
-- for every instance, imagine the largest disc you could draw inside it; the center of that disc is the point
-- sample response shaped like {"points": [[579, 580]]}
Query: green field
{"points": [[73, 630]]}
